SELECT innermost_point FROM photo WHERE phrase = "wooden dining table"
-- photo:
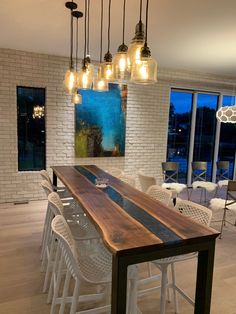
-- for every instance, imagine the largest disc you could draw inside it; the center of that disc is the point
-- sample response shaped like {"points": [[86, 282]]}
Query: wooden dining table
{"points": [[135, 229]]}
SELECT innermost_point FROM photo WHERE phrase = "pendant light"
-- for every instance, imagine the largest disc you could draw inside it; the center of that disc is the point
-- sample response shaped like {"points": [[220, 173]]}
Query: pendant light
{"points": [[85, 76], [77, 98], [106, 68], [145, 71], [100, 85], [133, 55], [71, 76], [120, 61]]}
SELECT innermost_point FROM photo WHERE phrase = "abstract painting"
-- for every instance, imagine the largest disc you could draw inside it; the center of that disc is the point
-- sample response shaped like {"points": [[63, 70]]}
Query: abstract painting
{"points": [[100, 123]]}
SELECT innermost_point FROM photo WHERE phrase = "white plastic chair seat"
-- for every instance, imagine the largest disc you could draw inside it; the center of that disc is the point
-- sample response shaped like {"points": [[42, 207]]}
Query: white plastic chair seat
{"points": [[208, 186]]}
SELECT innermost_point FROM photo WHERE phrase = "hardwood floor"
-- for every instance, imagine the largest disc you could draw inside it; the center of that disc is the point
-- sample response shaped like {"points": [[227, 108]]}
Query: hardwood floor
{"points": [[21, 280]]}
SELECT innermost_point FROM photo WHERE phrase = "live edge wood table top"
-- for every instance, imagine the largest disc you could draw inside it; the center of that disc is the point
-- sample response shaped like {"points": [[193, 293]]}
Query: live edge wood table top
{"points": [[136, 228]]}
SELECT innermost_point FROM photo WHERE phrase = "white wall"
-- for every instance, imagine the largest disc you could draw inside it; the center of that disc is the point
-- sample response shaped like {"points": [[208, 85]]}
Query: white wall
{"points": [[146, 126]]}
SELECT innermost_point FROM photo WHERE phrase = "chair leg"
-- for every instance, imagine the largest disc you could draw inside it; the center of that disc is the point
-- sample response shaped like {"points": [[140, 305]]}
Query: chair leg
{"points": [[57, 286], [55, 267], [65, 292], [163, 288], [75, 298], [176, 305], [222, 223], [49, 264]]}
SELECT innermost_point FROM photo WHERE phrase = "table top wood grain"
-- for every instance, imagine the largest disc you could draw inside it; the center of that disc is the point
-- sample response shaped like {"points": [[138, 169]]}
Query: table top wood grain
{"points": [[128, 219]]}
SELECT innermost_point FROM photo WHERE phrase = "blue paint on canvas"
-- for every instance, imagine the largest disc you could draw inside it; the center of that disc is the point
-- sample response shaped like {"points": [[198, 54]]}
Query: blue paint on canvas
{"points": [[100, 123]]}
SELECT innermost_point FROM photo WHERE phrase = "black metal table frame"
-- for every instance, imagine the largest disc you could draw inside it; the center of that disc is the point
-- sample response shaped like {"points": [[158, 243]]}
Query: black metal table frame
{"points": [[206, 252]]}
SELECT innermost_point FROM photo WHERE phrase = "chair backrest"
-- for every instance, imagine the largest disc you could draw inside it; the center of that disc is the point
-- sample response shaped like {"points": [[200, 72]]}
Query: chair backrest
{"points": [[116, 172], [231, 193], [170, 171], [45, 176], [47, 187], [66, 243], [55, 204], [199, 170], [222, 170], [158, 193], [194, 211], [145, 181], [128, 179]]}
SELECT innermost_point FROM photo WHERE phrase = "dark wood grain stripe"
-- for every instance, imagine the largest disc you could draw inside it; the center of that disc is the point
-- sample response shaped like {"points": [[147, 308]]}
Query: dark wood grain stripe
{"points": [[136, 212]]}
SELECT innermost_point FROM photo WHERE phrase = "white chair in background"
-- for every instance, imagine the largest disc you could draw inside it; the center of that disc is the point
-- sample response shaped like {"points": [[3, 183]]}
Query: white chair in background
{"points": [[226, 205], [116, 172], [145, 181], [160, 194], [199, 214], [128, 179]]}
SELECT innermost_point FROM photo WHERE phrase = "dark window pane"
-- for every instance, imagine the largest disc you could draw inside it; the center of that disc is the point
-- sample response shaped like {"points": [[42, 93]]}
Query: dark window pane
{"points": [[179, 130], [31, 128], [227, 145], [205, 130]]}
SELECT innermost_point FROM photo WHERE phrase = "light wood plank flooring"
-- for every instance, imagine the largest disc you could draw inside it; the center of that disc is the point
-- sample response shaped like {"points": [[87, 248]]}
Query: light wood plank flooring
{"points": [[21, 280]]}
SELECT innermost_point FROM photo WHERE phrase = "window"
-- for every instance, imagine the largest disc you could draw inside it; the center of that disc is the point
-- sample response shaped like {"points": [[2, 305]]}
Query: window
{"points": [[204, 138], [179, 130], [194, 135], [31, 128]]}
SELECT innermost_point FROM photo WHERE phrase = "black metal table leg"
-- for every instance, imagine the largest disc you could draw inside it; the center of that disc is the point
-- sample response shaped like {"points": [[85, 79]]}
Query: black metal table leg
{"points": [[204, 280], [119, 285], [54, 179]]}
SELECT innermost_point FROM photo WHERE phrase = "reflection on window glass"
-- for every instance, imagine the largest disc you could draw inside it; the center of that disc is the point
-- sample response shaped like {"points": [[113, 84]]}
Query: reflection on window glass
{"points": [[179, 130], [227, 145], [31, 128], [205, 130]]}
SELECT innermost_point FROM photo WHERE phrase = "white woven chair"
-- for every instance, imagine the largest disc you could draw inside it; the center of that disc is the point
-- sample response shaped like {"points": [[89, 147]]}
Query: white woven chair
{"points": [[128, 179], [158, 193], [62, 191], [199, 214], [116, 172], [81, 228], [145, 181]]}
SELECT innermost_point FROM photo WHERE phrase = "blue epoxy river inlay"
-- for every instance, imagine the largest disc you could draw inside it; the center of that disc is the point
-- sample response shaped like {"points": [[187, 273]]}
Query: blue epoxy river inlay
{"points": [[136, 212]]}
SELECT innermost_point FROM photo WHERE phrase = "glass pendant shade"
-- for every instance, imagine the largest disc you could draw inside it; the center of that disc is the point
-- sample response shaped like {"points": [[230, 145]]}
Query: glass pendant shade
{"points": [[71, 81], [120, 66], [85, 79], [76, 99], [100, 85], [106, 71], [144, 72]]}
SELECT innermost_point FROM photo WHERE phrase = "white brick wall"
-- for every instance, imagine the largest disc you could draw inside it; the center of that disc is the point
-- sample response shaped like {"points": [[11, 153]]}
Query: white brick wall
{"points": [[147, 119]]}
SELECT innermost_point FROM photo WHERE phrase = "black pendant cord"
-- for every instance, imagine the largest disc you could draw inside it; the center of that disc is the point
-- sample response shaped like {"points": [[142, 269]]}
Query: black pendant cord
{"points": [[101, 29], [85, 31], [71, 40], [146, 34], [77, 44], [123, 35], [109, 27], [88, 27], [140, 12]]}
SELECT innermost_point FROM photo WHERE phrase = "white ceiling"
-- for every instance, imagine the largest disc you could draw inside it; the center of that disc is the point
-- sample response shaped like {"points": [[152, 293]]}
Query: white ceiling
{"points": [[190, 34]]}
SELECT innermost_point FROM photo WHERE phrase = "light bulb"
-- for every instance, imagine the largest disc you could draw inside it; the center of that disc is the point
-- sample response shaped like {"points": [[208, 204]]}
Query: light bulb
{"points": [[120, 63], [71, 80], [85, 78], [100, 85], [76, 99], [106, 71]]}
